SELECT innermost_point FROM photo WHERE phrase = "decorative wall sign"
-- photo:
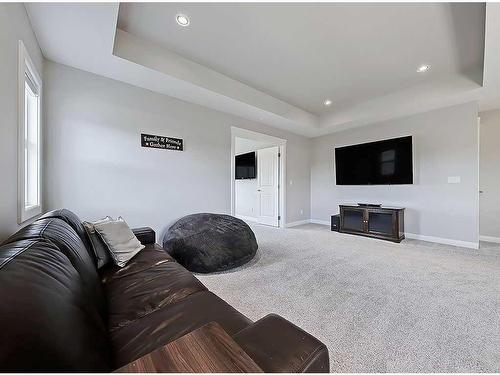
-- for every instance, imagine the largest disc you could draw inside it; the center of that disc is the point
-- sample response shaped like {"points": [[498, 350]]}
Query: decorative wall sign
{"points": [[164, 143]]}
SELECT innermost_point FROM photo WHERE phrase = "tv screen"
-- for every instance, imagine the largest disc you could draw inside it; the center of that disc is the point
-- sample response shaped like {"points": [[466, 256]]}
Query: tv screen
{"points": [[388, 162], [245, 166]]}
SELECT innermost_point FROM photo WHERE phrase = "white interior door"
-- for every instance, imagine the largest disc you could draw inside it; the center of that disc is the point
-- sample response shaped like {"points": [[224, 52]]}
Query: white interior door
{"points": [[267, 186]]}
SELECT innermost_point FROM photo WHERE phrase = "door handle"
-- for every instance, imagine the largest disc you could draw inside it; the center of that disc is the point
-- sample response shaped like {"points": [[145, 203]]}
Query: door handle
{"points": [[259, 190]]}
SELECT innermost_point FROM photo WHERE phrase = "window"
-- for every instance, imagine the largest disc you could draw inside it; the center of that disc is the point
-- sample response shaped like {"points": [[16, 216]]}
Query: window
{"points": [[29, 144]]}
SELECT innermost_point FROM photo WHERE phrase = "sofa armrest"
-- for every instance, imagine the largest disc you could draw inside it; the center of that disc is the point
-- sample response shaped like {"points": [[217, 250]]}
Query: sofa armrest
{"points": [[277, 345], [145, 235]]}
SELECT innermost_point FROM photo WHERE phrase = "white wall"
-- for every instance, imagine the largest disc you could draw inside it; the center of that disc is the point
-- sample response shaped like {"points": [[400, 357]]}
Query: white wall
{"points": [[14, 26], [95, 165], [244, 145], [445, 144], [489, 175]]}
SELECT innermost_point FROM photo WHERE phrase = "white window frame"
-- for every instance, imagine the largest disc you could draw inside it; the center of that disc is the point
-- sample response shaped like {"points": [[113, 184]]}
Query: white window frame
{"points": [[27, 68]]}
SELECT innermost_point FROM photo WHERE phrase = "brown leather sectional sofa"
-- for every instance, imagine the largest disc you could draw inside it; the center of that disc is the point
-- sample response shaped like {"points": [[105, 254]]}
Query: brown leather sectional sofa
{"points": [[59, 313]]}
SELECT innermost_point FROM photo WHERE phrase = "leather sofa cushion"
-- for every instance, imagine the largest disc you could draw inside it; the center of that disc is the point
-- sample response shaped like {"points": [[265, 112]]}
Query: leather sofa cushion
{"points": [[171, 322], [69, 243], [74, 222], [46, 319], [152, 281], [151, 256], [277, 345]]}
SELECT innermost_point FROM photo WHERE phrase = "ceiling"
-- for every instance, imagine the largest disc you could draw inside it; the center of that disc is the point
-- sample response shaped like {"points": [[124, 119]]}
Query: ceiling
{"points": [[277, 63], [306, 53]]}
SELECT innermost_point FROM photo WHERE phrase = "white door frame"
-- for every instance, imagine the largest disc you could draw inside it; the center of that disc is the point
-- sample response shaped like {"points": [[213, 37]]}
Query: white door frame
{"points": [[281, 143], [479, 191]]}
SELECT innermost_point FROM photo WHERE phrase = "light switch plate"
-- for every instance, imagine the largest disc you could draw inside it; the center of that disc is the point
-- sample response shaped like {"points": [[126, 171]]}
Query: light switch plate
{"points": [[454, 180]]}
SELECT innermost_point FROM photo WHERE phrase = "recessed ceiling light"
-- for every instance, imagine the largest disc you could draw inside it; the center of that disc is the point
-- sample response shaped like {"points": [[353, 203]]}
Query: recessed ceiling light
{"points": [[182, 19], [327, 102], [423, 68]]}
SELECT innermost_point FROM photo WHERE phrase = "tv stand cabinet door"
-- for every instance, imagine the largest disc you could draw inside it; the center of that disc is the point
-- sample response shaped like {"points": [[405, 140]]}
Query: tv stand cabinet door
{"points": [[353, 220], [382, 223]]}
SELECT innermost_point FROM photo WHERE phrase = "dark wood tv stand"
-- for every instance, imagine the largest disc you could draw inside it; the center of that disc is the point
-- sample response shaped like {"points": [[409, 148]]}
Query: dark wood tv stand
{"points": [[386, 223]]}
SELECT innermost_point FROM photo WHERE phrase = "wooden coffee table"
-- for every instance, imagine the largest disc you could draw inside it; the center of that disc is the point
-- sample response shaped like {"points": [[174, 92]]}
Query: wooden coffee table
{"points": [[207, 349]]}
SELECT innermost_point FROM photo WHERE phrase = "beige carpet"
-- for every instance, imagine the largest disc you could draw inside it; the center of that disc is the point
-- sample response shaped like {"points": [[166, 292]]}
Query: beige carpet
{"points": [[378, 306]]}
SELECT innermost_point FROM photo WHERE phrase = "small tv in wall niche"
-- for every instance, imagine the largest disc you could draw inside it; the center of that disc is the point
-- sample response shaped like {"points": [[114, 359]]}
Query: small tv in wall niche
{"points": [[245, 166], [387, 162]]}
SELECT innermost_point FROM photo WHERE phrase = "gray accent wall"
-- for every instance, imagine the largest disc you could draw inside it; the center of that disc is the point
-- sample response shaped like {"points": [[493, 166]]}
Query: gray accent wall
{"points": [[96, 167], [14, 26], [489, 175], [445, 145]]}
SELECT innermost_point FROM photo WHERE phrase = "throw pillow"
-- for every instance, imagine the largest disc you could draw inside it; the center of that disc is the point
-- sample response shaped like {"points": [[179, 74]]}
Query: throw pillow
{"points": [[121, 241], [101, 250]]}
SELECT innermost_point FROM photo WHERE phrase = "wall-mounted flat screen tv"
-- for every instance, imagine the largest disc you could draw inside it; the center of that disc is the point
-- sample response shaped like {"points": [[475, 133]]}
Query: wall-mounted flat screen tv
{"points": [[388, 162], [245, 166]]}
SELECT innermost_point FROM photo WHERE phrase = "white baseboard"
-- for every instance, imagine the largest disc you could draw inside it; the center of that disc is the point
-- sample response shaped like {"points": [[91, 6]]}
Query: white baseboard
{"points": [[296, 223], [489, 239], [445, 241], [247, 218], [320, 222], [307, 221]]}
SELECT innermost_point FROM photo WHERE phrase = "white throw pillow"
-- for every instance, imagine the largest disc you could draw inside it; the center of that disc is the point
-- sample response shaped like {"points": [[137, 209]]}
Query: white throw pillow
{"points": [[120, 239], [101, 250]]}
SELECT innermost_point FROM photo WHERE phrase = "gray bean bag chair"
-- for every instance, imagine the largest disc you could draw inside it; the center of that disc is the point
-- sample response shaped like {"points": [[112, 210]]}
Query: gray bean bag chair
{"points": [[210, 242]]}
